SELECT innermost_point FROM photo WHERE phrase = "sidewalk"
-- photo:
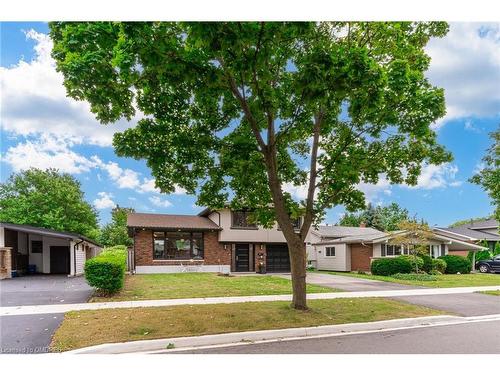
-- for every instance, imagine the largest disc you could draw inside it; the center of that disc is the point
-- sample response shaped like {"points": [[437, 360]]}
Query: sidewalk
{"points": [[252, 337], [63, 308]]}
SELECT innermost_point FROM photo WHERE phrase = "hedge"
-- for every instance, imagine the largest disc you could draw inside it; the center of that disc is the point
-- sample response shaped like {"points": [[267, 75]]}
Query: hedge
{"points": [[456, 264], [106, 272], [391, 266], [438, 265], [427, 267], [416, 262]]}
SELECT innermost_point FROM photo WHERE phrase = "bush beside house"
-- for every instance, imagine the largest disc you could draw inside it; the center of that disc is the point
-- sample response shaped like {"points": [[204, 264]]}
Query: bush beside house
{"points": [[456, 264], [106, 272], [391, 266], [438, 265]]}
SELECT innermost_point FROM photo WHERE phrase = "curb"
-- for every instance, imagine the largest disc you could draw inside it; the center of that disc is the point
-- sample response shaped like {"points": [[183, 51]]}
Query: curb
{"points": [[160, 345]]}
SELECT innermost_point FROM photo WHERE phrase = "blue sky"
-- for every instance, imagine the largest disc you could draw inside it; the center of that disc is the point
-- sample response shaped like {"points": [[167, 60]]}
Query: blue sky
{"points": [[41, 127]]}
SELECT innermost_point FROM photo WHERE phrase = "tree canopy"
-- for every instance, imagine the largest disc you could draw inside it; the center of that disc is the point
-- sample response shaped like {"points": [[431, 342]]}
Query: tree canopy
{"points": [[237, 111], [115, 232], [47, 199], [384, 218], [489, 176]]}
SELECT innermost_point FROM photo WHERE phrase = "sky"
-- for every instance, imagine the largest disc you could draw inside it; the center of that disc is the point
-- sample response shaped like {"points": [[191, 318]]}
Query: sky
{"points": [[41, 127]]}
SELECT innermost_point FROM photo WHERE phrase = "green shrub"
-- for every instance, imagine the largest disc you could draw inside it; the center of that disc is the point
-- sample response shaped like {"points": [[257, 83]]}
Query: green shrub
{"points": [[106, 272], [480, 255], [415, 276], [416, 262], [391, 266], [439, 265], [435, 272], [427, 267], [456, 264]]}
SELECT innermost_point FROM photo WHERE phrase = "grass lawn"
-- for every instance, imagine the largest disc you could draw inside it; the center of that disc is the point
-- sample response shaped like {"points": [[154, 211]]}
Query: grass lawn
{"points": [[192, 285], [85, 328], [492, 292], [443, 281]]}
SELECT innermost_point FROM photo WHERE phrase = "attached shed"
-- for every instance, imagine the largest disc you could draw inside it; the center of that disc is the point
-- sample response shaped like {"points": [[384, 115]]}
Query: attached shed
{"points": [[45, 250]]}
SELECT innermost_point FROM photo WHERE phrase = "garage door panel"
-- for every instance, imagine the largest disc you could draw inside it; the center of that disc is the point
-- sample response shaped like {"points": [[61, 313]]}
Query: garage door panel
{"points": [[277, 258]]}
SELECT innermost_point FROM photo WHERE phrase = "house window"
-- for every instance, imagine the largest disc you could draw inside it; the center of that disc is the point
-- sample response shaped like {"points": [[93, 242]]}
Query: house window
{"points": [[242, 219], [36, 247], [297, 223], [390, 250], [177, 245], [330, 251]]}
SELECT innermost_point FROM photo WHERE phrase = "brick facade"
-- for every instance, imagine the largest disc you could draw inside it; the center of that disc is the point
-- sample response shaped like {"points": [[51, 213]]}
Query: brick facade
{"points": [[5, 263], [462, 253], [361, 257], [214, 253]]}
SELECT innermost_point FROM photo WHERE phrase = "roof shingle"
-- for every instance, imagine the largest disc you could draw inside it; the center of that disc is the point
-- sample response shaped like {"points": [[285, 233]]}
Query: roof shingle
{"points": [[140, 220]]}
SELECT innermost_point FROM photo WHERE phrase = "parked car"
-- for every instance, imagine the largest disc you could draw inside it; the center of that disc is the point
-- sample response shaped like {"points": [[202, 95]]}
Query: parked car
{"points": [[489, 265]]}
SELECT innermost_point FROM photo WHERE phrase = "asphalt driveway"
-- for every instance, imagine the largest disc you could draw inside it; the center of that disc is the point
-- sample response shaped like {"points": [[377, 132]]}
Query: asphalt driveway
{"points": [[32, 333]]}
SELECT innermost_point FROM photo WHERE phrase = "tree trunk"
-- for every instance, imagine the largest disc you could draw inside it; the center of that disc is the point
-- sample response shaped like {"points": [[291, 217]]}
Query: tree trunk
{"points": [[297, 252]]}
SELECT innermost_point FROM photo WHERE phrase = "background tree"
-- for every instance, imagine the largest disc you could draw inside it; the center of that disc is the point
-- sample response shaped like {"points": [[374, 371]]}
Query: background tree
{"points": [[415, 237], [489, 176], [115, 232], [234, 111], [47, 199], [384, 218]]}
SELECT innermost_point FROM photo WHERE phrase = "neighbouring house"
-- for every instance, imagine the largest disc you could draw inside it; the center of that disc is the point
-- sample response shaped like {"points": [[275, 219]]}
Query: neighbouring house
{"points": [[337, 248], [43, 250], [477, 232], [212, 241]]}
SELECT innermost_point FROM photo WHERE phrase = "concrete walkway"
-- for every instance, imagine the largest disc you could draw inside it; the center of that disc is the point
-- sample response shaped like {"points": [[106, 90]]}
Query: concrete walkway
{"points": [[351, 284], [62, 308]]}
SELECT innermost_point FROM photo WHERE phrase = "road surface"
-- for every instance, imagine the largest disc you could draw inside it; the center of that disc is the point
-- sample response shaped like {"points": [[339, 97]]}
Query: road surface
{"points": [[470, 338]]}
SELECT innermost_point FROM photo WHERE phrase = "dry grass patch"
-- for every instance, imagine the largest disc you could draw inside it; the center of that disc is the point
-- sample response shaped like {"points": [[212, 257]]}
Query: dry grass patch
{"points": [[85, 328], [193, 285]]}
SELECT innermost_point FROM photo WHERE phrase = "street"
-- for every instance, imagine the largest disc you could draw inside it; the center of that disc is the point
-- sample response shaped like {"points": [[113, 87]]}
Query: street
{"points": [[470, 338]]}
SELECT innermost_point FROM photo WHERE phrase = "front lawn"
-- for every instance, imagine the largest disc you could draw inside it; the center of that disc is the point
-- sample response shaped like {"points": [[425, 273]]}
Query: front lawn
{"points": [[193, 285], [443, 281], [86, 328]]}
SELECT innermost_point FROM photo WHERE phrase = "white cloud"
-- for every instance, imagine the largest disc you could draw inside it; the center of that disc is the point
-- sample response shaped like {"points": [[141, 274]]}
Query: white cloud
{"points": [[104, 201], [466, 63], [299, 192], [157, 201], [34, 101], [469, 125], [373, 191], [47, 152], [437, 176]]}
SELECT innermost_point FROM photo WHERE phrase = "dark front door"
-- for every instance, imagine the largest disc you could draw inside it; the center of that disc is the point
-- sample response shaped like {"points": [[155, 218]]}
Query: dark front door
{"points": [[11, 241], [242, 254], [277, 258], [59, 259]]}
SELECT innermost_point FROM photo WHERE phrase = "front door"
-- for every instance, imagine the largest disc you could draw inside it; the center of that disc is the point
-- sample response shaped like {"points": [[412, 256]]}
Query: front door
{"points": [[242, 254], [59, 259]]}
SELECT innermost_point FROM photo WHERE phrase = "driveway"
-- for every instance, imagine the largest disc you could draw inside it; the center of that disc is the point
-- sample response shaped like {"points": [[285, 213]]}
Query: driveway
{"points": [[32, 333], [351, 284]]}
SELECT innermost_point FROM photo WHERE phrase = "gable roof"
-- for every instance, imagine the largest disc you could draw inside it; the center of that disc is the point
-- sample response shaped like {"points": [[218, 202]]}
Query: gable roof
{"points": [[164, 221], [46, 232], [475, 230]]}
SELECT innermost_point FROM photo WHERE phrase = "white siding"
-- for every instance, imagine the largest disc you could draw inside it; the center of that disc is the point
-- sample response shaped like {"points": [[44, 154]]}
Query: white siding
{"points": [[340, 262]]}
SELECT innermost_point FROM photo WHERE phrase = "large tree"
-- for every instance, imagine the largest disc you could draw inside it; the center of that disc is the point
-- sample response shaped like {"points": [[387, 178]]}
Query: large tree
{"points": [[489, 176], [235, 112], [384, 218], [115, 232], [47, 199]]}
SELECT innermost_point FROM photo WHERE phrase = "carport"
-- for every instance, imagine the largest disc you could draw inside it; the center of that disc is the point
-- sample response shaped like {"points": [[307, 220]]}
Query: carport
{"points": [[41, 250]]}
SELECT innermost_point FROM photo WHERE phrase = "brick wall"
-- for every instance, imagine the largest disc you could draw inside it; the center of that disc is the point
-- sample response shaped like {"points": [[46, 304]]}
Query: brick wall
{"points": [[462, 253], [214, 253], [6, 263], [361, 257]]}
